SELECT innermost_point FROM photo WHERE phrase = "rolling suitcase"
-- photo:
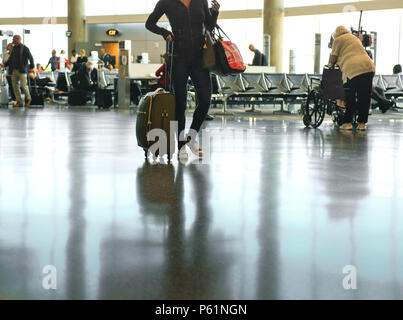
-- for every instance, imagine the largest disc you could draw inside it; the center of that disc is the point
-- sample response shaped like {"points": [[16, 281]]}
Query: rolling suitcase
{"points": [[77, 98], [103, 98], [3, 96], [156, 111], [37, 99]]}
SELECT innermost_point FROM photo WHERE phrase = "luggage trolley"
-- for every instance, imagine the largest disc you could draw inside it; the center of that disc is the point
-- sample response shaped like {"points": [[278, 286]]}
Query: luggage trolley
{"points": [[3, 89]]}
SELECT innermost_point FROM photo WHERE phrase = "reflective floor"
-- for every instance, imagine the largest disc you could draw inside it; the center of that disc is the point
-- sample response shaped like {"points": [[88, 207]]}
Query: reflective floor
{"points": [[276, 213]]}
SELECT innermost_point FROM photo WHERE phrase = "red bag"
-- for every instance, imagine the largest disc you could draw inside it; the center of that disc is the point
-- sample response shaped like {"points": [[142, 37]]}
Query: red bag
{"points": [[228, 58]]}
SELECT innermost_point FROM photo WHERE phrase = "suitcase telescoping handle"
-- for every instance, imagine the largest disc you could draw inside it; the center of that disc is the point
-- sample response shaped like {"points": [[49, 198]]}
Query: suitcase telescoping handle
{"points": [[169, 65]]}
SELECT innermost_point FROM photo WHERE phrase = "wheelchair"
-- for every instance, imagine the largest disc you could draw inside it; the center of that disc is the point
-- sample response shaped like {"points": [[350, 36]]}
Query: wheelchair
{"points": [[317, 106]]}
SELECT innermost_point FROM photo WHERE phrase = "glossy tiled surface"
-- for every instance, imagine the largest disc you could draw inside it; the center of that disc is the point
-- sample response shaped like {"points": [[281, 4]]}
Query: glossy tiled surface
{"points": [[277, 213]]}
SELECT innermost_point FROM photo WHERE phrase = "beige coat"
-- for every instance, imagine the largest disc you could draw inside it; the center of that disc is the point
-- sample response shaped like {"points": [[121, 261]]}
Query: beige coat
{"points": [[351, 55]]}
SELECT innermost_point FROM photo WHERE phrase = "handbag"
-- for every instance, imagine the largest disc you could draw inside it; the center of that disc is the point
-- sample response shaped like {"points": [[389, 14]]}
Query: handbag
{"points": [[209, 60], [332, 83], [227, 55]]}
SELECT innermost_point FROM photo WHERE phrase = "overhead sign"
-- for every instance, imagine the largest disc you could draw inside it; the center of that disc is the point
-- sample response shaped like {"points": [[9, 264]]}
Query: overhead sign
{"points": [[113, 32], [68, 34]]}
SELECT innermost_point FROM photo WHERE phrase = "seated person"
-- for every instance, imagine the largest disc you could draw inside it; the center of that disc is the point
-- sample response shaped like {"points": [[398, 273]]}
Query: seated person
{"points": [[135, 92], [397, 69], [87, 78], [161, 73], [259, 59], [110, 68], [39, 68], [38, 86]]}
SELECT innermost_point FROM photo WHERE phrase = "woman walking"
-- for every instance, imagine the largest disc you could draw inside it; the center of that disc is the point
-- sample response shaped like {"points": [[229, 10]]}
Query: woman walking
{"points": [[188, 19]]}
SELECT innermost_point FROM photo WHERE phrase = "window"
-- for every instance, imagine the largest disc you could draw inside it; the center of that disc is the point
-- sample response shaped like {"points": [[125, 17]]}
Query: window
{"points": [[42, 39], [387, 23]]}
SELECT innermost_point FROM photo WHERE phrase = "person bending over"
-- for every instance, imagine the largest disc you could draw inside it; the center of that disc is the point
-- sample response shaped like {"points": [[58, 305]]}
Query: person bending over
{"points": [[358, 72], [188, 18], [87, 78]]}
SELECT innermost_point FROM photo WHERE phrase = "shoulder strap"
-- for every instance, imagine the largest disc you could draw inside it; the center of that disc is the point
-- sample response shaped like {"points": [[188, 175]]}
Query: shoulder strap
{"points": [[219, 32]]}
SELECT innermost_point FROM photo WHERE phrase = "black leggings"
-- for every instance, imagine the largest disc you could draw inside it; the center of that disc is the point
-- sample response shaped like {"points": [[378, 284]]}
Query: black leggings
{"points": [[358, 97], [183, 68]]}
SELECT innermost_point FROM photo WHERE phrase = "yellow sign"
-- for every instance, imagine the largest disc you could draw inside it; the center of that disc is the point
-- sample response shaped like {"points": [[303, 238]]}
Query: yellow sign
{"points": [[113, 32]]}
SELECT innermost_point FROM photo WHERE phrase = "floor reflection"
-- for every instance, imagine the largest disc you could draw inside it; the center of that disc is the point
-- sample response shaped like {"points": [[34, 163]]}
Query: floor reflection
{"points": [[75, 253], [276, 214], [268, 264], [172, 261], [348, 154]]}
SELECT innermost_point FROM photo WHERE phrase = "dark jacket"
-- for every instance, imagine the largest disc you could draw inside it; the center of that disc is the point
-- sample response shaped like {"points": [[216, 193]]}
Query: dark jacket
{"points": [[19, 58], [188, 24], [79, 62], [84, 78], [259, 59], [106, 59]]}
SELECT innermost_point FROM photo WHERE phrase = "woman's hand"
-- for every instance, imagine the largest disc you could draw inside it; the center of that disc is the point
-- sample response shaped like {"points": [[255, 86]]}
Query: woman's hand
{"points": [[216, 5]]}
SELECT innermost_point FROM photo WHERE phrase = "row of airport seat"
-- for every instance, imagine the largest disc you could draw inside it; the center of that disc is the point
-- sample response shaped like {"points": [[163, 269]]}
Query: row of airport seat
{"points": [[275, 84], [391, 84], [264, 87], [267, 88], [106, 79], [109, 76], [292, 85]]}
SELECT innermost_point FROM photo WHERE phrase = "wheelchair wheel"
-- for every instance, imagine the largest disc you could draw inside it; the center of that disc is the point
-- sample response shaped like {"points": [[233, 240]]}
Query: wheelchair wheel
{"points": [[314, 110], [338, 117]]}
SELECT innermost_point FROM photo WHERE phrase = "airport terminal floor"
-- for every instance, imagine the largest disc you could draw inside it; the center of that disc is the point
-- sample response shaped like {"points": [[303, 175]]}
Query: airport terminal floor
{"points": [[277, 213]]}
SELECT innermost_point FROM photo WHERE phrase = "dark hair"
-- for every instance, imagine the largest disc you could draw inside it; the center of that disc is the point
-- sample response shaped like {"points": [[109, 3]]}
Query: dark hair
{"points": [[73, 51], [397, 69]]}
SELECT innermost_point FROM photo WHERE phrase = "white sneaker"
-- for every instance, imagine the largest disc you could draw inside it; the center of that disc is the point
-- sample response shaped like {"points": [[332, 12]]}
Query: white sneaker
{"points": [[195, 148], [183, 155]]}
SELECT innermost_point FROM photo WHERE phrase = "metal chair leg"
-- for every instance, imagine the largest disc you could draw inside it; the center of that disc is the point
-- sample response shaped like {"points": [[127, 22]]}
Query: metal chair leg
{"points": [[224, 111]]}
